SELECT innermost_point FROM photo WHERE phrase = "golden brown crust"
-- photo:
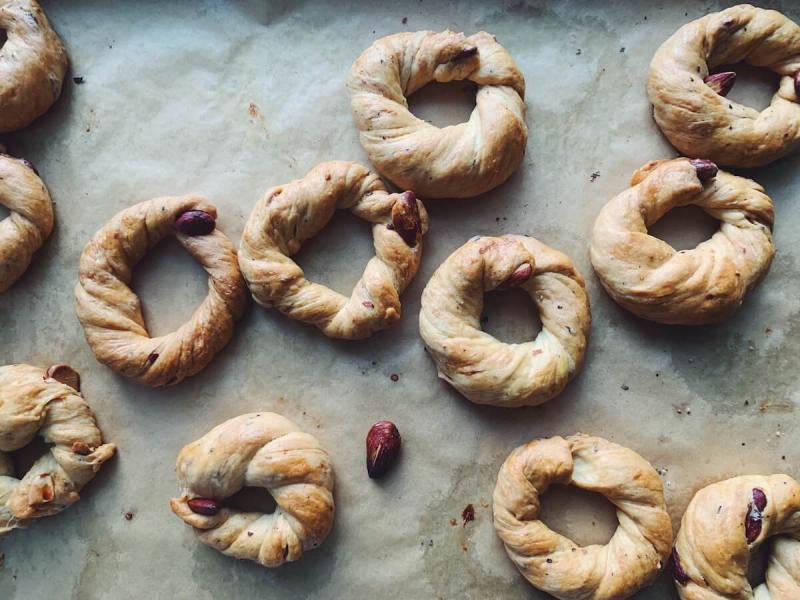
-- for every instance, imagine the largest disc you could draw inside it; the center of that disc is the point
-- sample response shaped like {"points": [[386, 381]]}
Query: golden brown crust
{"points": [[258, 450], [453, 162], [291, 214], [33, 63], [31, 404], [724, 523], [482, 368], [707, 284], [556, 564], [701, 123], [31, 220], [111, 313]]}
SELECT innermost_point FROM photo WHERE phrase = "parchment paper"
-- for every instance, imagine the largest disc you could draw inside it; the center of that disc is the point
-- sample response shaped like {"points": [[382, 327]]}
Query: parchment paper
{"points": [[227, 99]]}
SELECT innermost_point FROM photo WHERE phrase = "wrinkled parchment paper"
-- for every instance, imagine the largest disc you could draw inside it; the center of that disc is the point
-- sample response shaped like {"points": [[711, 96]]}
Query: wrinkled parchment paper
{"points": [[227, 99]]}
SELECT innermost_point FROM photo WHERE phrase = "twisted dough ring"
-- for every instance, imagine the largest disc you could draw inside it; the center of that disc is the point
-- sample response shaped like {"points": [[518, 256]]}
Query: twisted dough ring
{"points": [[31, 220], [478, 365], [258, 450], [649, 277], [31, 404], [291, 214], [454, 162], [33, 63], [111, 312], [554, 563], [697, 119], [723, 524]]}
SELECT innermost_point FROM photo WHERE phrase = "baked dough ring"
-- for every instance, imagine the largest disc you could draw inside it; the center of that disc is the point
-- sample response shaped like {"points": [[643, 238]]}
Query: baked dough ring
{"points": [[31, 220], [648, 277], [702, 123], [33, 63], [482, 368], [258, 450], [291, 214], [32, 404], [111, 313], [723, 524], [553, 563], [453, 162]]}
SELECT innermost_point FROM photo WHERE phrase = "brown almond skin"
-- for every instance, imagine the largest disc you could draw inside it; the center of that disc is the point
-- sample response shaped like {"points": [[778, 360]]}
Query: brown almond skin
{"points": [[383, 447], [203, 506], [195, 222], [706, 170], [66, 375], [520, 275], [405, 218], [721, 83]]}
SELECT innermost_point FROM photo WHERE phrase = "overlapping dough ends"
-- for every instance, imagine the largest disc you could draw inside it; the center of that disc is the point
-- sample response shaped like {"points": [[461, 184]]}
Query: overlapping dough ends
{"points": [[258, 450], [33, 62], [700, 122], [32, 404], [724, 524], [648, 277], [31, 220], [459, 161]]}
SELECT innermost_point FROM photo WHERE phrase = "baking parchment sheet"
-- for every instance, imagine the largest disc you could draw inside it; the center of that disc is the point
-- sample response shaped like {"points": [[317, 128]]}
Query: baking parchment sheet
{"points": [[227, 99]]}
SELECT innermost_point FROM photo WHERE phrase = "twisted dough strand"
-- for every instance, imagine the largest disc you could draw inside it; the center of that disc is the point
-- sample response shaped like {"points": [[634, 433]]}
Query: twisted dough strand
{"points": [[291, 214], [453, 162], [31, 404]]}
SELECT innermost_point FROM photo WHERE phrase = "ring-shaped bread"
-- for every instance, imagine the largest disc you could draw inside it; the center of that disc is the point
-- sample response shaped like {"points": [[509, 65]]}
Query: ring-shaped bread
{"points": [[111, 312], [692, 111], [482, 368], [30, 223], [724, 524], [33, 63], [648, 277], [554, 563], [262, 450], [289, 215], [31, 404], [459, 161]]}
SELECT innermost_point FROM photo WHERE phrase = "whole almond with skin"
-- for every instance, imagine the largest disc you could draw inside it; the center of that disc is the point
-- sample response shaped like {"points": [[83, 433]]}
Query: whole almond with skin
{"points": [[66, 375], [195, 222], [383, 447], [203, 506], [721, 83], [405, 218], [520, 275], [706, 170]]}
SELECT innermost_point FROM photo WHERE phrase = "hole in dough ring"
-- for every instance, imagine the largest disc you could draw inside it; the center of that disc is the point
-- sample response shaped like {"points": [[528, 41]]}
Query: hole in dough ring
{"points": [[31, 220], [33, 63], [724, 523], [453, 162], [33, 404], [701, 123], [258, 450], [555, 564], [288, 215], [482, 368], [111, 312], [648, 277]]}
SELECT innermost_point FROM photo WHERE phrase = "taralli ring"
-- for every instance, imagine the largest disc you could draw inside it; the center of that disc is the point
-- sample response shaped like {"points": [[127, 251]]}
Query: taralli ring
{"points": [[690, 107], [291, 214], [482, 368], [454, 162], [30, 223], [111, 313], [707, 284], [257, 450], [724, 524], [33, 63], [38, 402], [555, 564]]}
